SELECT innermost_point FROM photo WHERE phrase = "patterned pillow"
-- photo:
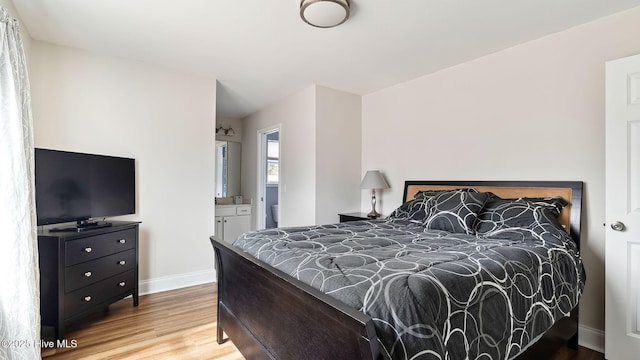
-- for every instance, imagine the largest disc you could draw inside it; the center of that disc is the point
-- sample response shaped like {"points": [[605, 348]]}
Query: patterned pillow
{"points": [[455, 211], [414, 209], [534, 214]]}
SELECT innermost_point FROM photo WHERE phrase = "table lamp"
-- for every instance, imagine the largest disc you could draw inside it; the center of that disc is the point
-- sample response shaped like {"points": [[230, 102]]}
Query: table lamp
{"points": [[373, 180]]}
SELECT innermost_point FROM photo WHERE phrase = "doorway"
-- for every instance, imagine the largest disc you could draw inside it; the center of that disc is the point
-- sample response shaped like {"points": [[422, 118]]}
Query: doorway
{"points": [[269, 171]]}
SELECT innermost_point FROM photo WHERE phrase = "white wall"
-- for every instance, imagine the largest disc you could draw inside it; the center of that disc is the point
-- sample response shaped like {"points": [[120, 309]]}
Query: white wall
{"points": [[338, 143], [296, 115], [532, 112], [166, 121], [319, 154]]}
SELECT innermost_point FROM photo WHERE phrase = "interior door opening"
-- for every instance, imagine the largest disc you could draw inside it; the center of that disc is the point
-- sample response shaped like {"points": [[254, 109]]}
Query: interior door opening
{"points": [[269, 178]]}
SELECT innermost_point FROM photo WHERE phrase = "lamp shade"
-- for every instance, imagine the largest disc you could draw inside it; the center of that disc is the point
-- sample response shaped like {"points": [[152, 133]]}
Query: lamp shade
{"points": [[324, 13], [373, 180]]}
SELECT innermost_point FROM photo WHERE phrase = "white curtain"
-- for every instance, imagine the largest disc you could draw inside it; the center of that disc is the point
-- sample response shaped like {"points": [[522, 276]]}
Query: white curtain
{"points": [[19, 275]]}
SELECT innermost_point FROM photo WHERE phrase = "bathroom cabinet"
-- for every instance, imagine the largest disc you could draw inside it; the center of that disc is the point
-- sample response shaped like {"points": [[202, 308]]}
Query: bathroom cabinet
{"points": [[232, 221]]}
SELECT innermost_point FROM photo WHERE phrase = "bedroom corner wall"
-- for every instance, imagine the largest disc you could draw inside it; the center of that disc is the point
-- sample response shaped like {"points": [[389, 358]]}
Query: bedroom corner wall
{"points": [[338, 143], [296, 115], [531, 112], [320, 143], [166, 121]]}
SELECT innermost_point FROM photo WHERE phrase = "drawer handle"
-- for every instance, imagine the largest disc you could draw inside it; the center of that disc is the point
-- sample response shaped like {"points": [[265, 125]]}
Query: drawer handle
{"points": [[122, 262], [122, 241], [87, 274], [87, 298], [88, 249], [122, 284]]}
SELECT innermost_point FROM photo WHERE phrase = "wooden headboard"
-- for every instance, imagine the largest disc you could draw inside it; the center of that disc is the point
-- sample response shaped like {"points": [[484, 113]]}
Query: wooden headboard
{"points": [[571, 191]]}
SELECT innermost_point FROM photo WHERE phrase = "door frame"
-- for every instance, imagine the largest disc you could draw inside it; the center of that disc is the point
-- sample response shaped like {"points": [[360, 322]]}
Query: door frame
{"points": [[261, 211]]}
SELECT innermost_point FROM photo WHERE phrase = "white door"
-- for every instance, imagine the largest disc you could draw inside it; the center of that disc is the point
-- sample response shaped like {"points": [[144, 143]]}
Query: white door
{"points": [[622, 327]]}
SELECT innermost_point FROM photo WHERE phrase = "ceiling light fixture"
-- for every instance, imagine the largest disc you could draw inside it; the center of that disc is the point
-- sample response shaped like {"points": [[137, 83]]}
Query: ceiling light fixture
{"points": [[324, 13]]}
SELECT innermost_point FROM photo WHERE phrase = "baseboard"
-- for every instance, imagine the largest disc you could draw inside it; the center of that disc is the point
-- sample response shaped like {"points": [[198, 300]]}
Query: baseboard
{"points": [[176, 281], [591, 338]]}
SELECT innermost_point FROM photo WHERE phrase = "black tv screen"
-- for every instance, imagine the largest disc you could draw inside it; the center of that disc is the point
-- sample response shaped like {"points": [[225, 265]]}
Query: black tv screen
{"points": [[76, 187]]}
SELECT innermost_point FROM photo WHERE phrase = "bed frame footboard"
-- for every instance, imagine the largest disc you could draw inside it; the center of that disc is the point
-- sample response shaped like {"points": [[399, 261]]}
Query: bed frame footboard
{"points": [[269, 315]]}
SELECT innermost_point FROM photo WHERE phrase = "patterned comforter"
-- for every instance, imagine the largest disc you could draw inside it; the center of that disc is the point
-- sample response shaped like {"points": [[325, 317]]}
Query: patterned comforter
{"points": [[433, 294]]}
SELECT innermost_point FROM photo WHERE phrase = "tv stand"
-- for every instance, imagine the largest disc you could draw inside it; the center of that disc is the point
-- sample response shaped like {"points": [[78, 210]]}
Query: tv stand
{"points": [[84, 272], [83, 225]]}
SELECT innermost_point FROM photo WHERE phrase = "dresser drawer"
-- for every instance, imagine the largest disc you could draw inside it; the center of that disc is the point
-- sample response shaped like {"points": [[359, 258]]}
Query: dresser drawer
{"points": [[93, 247], [89, 272], [87, 298]]}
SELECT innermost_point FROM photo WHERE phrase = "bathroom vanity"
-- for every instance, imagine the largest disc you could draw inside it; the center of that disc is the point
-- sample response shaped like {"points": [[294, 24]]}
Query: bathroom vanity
{"points": [[232, 221]]}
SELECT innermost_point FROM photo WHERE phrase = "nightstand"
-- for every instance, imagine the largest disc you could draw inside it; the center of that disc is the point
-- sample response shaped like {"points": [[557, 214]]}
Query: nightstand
{"points": [[353, 217]]}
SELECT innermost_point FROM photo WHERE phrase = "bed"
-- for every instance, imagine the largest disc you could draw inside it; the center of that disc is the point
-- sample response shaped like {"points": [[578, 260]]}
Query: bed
{"points": [[424, 283]]}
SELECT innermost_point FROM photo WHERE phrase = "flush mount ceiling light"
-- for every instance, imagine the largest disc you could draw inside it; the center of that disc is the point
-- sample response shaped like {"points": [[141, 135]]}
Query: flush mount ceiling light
{"points": [[324, 13]]}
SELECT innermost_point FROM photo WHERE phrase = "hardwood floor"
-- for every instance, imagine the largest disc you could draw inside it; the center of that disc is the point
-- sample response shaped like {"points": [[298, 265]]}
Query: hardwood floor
{"points": [[178, 324]]}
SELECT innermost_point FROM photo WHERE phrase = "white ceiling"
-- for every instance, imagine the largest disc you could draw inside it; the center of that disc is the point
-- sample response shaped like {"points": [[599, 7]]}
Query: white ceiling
{"points": [[261, 51]]}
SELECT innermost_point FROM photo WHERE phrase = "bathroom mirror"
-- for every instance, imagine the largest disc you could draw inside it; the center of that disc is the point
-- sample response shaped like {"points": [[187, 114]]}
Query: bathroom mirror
{"points": [[228, 155]]}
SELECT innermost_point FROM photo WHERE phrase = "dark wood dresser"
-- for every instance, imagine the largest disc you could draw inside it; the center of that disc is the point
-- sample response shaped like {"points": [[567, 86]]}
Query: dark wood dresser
{"points": [[82, 272]]}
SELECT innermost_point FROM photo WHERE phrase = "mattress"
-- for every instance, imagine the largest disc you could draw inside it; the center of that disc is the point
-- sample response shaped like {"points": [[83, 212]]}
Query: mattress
{"points": [[434, 294]]}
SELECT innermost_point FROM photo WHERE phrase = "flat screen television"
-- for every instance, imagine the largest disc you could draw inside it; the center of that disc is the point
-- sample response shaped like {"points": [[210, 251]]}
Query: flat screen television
{"points": [[82, 187]]}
